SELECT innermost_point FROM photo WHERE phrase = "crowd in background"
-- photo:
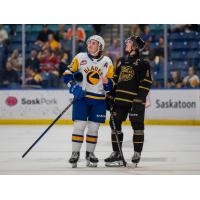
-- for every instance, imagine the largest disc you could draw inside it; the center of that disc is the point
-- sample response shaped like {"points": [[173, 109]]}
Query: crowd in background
{"points": [[51, 53]]}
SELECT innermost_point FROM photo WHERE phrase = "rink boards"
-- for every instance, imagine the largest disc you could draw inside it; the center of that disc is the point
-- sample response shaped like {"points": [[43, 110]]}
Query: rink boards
{"points": [[167, 107]]}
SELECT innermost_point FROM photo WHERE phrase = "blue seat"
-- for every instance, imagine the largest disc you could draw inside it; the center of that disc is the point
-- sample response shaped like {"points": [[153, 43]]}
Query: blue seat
{"points": [[177, 65], [17, 38], [193, 55], [16, 46], [177, 55], [178, 45], [36, 27], [154, 45], [31, 37], [190, 36], [174, 36], [19, 28]]}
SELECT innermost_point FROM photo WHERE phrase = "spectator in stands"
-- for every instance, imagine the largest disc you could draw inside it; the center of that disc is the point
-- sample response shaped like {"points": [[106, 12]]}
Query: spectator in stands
{"points": [[3, 56], [192, 27], [157, 70], [97, 28], [159, 51], [10, 78], [63, 62], [61, 33], [184, 28], [135, 29], [49, 66], [13, 29], [175, 81], [33, 78], [80, 34], [192, 79], [51, 43], [146, 35], [33, 62], [43, 36], [113, 51], [62, 37], [177, 27], [16, 60], [80, 39], [81, 46], [3, 35]]}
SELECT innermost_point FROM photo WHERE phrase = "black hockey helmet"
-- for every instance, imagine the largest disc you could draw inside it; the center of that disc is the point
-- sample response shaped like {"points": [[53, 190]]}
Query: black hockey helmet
{"points": [[137, 41]]}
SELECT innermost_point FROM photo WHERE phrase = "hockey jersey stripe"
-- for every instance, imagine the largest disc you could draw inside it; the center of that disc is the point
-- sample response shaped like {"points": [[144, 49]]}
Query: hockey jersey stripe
{"points": [[144, 88], [123, 91], [120, 99]]}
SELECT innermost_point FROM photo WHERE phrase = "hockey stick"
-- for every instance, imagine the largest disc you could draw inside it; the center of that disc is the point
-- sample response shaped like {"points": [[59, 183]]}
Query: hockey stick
{"points": [[55, 120], [116, 134]]}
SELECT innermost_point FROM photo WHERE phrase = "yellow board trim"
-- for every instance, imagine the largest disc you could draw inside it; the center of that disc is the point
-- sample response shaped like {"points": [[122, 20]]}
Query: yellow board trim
{"points": [[70, 122], [123, 91], [34, 121]]}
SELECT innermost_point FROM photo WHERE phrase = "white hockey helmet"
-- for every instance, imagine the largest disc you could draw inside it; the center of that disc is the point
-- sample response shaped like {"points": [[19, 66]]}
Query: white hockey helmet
{"points": [[98, 39]]}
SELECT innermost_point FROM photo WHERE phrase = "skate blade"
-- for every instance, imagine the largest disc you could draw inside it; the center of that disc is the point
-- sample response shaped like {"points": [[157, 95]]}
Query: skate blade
{"points": [[90, 164], [135, 165], [74, 165], [114, 164]]}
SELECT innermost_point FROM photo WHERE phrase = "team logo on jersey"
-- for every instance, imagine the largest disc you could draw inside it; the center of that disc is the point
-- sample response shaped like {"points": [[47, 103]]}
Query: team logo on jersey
{"points": [[83, 62], [126, 74], [93, 77]]}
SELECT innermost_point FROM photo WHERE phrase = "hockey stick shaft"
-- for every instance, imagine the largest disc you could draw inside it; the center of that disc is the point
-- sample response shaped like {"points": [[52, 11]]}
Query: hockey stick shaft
{"points": [[55, 120], [117, 138]]}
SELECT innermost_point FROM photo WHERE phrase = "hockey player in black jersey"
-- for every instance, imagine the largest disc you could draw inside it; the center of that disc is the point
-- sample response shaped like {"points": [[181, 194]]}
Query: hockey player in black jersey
{"points": [[132, 83]]}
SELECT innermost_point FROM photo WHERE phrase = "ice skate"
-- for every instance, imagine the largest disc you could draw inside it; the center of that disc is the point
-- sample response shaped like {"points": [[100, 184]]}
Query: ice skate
{"points": [[74, 158], [91, 159], [136, 158], [114, 160]]}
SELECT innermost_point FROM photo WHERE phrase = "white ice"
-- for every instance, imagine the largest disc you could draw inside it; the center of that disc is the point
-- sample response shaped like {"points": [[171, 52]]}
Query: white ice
{"points": [[167, 150]]}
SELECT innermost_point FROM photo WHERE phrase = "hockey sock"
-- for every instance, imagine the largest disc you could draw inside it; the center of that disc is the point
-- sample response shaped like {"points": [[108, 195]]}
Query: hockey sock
{"points": [[91, 136], [114, 140], [78, 135], [138, 140]]}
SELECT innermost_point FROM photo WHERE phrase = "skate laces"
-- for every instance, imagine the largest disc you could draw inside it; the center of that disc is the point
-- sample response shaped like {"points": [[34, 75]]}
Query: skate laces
{"points": [[75, 154], [136, 155], [91, 155], [113, 154]]}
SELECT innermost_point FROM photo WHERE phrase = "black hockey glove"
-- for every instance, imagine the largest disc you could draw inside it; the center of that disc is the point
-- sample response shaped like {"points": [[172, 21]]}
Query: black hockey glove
{"points": [[109, 102]]}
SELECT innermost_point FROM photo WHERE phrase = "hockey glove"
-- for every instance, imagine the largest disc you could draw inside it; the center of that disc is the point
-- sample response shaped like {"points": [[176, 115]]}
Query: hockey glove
{"points": [[77, 91], [67, 78], [109, 102], [109, 85], [78, 76]]}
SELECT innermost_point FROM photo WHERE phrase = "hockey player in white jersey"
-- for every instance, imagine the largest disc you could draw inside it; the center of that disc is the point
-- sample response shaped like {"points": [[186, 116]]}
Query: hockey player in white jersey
{"points": [[89, 78]]}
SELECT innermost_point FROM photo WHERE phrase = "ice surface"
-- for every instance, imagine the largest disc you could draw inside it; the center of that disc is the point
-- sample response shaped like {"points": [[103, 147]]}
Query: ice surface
{"points": [[167, 150]]}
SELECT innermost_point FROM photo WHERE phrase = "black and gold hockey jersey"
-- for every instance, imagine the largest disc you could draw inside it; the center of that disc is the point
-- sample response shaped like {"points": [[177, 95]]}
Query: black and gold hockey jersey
{"points": [[132, 80]]}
